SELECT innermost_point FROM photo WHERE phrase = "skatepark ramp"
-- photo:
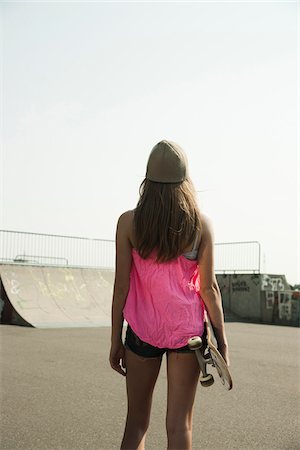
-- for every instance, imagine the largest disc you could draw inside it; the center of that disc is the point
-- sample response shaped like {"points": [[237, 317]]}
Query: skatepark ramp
{"points": [[67, 281], [46, 297], [53, 297]]}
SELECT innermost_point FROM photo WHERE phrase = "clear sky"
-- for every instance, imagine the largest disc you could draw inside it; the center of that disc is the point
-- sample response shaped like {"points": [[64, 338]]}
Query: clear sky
{"points": [[90, 87]]}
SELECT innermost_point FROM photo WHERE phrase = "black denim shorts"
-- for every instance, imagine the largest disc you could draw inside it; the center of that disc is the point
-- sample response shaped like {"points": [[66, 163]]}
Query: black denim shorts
{"points": [[141, 348]]}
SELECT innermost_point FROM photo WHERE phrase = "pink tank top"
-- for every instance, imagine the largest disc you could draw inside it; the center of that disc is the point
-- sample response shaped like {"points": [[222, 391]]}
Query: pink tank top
{"points": [[163, 306]]}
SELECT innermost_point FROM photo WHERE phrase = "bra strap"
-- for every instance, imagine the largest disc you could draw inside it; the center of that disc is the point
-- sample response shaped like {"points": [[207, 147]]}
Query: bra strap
{"points": [[195, 243]]}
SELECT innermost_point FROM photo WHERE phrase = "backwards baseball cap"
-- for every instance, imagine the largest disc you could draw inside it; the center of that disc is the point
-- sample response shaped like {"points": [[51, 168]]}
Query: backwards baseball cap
{"points": [[167, 163]]}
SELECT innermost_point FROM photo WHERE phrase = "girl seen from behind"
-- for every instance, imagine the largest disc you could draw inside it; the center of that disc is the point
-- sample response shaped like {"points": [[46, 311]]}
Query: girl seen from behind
{"points": [[164, 282]]}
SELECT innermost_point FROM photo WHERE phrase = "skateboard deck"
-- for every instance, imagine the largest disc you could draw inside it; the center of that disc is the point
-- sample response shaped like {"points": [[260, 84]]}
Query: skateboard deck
{"points": [[207, 353]]}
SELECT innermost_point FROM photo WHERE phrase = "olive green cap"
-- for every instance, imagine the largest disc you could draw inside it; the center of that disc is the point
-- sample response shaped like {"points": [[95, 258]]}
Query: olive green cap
{"points": [[167, 163]]}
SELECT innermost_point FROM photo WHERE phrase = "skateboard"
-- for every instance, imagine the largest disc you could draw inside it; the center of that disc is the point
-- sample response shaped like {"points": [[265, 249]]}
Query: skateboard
{"points": [[207, 353]]}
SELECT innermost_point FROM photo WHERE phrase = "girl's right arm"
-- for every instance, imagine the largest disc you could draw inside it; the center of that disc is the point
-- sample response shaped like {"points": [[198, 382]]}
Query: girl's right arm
{"points": [[209, 288], [121, 288]]}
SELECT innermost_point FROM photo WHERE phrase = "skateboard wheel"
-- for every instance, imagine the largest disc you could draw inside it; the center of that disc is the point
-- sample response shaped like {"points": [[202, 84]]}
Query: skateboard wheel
{"points": [[195, 342], [207, 381]]}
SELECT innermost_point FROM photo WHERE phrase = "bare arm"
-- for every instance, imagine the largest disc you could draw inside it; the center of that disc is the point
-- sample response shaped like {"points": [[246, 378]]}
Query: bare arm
{"points": [[209, 288], [121, 287]]}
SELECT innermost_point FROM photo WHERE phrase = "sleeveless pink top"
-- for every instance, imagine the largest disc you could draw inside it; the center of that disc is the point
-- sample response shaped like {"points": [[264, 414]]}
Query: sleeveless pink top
{"points": [[163, 306]]}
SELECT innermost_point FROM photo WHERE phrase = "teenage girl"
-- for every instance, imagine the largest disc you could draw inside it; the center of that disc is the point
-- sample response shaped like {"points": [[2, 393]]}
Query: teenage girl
{"points": [[164, 282]]}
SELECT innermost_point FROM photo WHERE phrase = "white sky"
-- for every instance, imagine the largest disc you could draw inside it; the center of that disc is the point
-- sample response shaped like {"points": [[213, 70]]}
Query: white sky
{"points": [[89, 88]]}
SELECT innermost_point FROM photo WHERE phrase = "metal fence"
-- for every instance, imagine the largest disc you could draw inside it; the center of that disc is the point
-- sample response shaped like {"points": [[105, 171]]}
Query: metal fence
{"points": [[47, 249], [235, 257], [50, 249]]}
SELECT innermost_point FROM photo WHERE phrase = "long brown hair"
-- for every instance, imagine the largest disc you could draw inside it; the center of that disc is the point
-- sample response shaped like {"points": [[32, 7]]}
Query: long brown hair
{"points": [[166, 219]]}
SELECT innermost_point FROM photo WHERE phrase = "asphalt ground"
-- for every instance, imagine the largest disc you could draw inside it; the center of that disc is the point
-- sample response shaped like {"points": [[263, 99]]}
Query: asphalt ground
{"points": [[58, 392]]}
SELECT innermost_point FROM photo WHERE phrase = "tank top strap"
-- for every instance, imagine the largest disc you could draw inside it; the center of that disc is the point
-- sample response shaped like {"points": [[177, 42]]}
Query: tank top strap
{"points": [[195, 243]]}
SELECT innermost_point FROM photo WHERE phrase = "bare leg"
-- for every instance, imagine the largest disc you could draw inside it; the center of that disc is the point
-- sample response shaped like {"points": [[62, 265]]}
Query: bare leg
{"points": [[141, 376], [183, 375]]}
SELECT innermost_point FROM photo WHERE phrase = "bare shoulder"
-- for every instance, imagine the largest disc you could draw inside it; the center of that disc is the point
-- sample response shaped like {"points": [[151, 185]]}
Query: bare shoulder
{"points": [[126, 218], [125, 225], [207, 226]]}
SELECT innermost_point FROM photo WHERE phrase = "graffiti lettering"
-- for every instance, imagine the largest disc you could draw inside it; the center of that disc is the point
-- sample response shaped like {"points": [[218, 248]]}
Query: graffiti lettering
{"points": [[269, 299], [271, 284], [15, 287], [285, 306], [240, 286]]}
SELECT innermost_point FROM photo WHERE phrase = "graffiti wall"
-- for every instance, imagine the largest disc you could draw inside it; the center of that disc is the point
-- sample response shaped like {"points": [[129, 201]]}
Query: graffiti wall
{"points": [[224, 285], [260, 298], [244, 295], [279, 304]]}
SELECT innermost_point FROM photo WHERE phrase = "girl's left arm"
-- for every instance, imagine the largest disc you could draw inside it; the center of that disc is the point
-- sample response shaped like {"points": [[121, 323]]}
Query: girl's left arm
{"points": [[122, 275]]}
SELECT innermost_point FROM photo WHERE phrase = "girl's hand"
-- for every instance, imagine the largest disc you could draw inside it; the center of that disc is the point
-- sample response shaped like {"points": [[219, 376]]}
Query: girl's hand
{"points": [[117, 355]]}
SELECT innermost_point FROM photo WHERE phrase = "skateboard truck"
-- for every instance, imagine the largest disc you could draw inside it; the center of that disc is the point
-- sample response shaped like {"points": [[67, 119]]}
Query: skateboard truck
{"points": [[212, 357], [195, 343]]}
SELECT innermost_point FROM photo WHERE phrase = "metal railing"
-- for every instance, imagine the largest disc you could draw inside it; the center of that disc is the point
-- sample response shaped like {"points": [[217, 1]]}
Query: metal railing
{"points": [[51, 249], [19, 247], [233, 257]]}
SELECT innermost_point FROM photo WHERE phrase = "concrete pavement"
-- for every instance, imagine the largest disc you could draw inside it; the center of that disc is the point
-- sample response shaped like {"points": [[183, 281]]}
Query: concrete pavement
{"points": [[58, 392]]}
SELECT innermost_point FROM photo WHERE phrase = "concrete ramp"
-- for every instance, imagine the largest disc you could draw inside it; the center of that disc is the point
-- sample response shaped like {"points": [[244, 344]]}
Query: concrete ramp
{"points": [[54, 297], [46, 297]]}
